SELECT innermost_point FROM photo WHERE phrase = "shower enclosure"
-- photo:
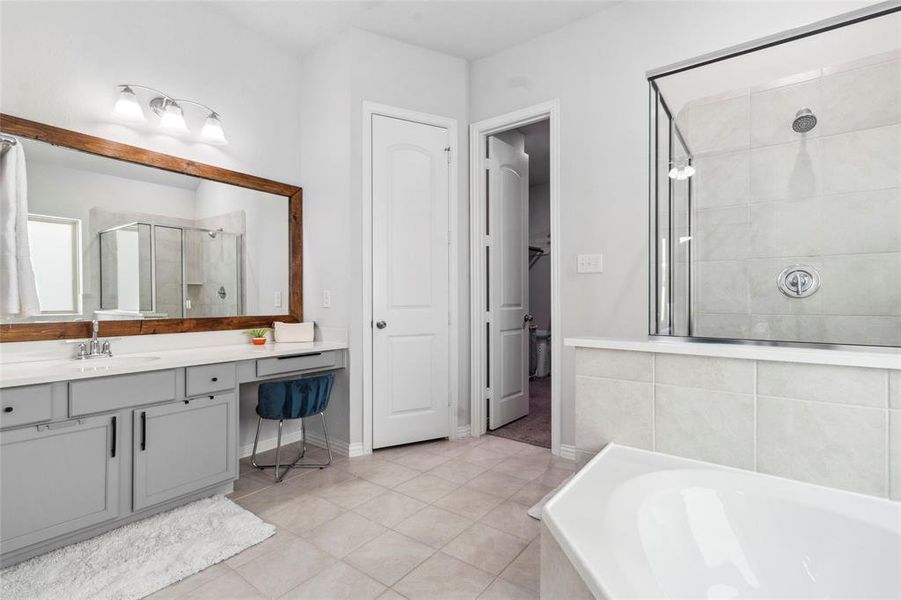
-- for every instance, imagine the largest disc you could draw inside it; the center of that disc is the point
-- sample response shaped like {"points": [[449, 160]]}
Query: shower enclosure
{"points": [[165, 271], [776, 188]]}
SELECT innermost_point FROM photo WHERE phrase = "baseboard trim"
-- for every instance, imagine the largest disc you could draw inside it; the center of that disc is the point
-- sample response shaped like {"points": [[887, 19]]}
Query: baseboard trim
{"points": [[568, 452], [463, 431], [339, 447]]}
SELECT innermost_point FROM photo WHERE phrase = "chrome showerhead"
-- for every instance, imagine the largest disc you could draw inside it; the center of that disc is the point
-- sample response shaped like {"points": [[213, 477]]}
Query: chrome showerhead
{"points": [[804, 121]]}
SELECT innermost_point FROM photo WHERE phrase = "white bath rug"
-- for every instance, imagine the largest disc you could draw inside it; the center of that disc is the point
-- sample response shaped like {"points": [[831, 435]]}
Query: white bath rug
{"points": [[535, 511], [140, 558]]}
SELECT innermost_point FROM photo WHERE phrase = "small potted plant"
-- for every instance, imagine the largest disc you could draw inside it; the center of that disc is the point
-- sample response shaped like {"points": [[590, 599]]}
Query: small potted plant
{"points": [[258, 336]]}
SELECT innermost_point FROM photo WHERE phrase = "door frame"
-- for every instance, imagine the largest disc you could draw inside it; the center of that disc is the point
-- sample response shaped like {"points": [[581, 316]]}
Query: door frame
{"points": [[478, 148], [371, 109]]}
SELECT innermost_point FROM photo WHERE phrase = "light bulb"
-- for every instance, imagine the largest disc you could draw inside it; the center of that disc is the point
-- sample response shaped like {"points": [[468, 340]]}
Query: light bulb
{"points": [[212, 131], [128, 107], [173, 119]]}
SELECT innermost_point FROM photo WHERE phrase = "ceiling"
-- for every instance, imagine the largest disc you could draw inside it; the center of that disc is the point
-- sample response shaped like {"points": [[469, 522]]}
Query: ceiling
{"points": [[465, 28]]}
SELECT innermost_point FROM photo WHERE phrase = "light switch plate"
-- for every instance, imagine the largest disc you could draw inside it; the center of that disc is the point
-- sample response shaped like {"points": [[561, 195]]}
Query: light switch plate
{"points": [[326, 298], [590, 263], [277, 299]]}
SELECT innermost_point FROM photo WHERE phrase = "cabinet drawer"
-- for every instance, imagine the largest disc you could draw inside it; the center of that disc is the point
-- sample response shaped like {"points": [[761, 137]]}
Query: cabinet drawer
{"points": [[206, 379], [288, 364], [120, 391], [23, 405]]}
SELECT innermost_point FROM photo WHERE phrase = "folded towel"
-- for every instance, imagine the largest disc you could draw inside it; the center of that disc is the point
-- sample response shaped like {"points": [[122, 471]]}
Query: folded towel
{"points": [[292, 332]]}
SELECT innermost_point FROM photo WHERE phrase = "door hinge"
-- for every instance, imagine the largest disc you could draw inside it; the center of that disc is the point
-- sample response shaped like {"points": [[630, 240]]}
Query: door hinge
{"points": [[486, 241], [447, 151]]}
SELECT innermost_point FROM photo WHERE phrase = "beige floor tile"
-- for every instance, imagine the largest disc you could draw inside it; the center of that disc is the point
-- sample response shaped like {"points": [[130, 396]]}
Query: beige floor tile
{"points": [[505, 446], [421, 460], [531, 493], [350, 493], [269, 499], [282, 538], [426, 487], [275, 573], [485, 547], [554, 476], [391, 595], [433, 526], [451, 448], [498, 484], [191, 583], [504, 590], [514, 519], [247, 484], [482, 457], [385, 473], [338, 582], [525, 570], [443, 577], [527, 468], [468, 502], [457, 471], [389, 557], [230, 586], [303, 514], [390, 508], [339, 537]]}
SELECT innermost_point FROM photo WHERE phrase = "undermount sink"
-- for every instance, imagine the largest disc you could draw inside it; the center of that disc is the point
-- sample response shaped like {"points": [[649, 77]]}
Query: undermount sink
{"points": [[108, 364]]}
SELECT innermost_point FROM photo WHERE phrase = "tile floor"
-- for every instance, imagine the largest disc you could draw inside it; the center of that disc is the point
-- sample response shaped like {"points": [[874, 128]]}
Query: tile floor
{"points": [[433, 520]]}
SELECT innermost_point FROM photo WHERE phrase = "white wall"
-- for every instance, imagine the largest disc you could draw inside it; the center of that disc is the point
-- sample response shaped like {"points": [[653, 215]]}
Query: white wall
{"points": [[342, 74], [596, 68]]}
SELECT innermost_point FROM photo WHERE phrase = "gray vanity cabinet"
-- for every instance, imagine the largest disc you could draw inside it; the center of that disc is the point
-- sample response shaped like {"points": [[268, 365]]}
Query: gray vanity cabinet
{"points": [[184, 446], [58, 478]]}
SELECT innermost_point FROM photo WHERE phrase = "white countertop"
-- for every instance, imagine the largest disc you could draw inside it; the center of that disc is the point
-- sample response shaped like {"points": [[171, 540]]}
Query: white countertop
{"points": [[48, 371], [876, 358]]}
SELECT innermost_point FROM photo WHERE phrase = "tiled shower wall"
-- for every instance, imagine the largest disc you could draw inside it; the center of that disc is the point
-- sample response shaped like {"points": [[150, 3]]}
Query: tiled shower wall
{"points": [[765, 197], [829, 425]]}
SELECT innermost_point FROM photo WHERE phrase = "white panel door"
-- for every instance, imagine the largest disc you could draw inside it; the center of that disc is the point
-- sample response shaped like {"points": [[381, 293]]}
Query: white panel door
{"points": [[410, 288], [508, 282]]}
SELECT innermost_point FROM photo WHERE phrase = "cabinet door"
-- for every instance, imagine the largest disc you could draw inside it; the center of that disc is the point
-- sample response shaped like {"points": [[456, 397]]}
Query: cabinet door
{"points": [[57, 478], [184, 446]]}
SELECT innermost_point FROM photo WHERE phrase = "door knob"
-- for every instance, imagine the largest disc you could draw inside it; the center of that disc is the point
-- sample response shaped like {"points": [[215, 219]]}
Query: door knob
{"points": [[527, 318], [381, 324]]}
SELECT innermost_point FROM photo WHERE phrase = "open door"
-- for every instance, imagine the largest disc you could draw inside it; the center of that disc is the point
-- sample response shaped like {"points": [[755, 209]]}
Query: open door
{"points": [[508, 279]]}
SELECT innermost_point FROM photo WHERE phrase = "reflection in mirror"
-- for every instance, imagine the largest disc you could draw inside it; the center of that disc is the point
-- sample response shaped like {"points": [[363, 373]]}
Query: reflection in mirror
{"points": [[776, 196], [115, 240]]}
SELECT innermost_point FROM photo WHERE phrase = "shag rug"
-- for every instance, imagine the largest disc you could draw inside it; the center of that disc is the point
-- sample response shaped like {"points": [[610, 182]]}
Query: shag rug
{"points": [[534, 428], [140, 558]]}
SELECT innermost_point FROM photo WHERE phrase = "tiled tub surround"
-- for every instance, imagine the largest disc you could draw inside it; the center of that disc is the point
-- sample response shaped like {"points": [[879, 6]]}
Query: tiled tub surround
{"points": [[833, 425], [765, 197]]}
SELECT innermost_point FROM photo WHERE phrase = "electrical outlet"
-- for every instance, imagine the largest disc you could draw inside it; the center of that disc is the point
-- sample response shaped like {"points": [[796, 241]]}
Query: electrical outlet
{"points": [[326, 298], [277, 300], [590, 263]]}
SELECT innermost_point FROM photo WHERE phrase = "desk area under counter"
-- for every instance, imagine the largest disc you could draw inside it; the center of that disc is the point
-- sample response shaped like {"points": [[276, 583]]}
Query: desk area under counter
{"points": [[88, 445]]}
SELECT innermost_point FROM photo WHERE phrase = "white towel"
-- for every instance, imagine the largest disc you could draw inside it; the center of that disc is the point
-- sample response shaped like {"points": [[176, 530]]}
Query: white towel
{"points": [[18, 294]]}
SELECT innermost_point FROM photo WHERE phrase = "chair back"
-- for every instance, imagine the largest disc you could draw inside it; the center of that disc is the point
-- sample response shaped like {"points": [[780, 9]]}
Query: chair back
{"points": [[295, 399]]}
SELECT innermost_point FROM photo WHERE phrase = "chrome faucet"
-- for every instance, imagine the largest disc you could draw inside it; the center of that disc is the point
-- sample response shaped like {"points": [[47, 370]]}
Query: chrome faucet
{"points": [[95, 348]]}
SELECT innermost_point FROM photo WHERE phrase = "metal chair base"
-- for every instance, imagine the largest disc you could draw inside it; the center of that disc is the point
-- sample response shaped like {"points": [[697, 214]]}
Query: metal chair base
{"points": [[279, 475]]}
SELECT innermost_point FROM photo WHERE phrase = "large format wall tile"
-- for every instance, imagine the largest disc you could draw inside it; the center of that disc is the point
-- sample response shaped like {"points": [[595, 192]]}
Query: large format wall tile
{"points": [[861, 222], [722, 287], [786, 171], [785, 229], [615, 364], [773, 110], [705, 425], [719, 125], [721, 180], [849, 280], [861, 98], [608, 410], [894, 389], [894, 442], [826, 444], [869, 159], [725, 374], [823, 383]]}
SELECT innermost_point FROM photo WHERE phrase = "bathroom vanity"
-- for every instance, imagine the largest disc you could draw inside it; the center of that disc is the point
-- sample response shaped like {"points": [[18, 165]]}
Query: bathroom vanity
{"points": [[88, 445]]}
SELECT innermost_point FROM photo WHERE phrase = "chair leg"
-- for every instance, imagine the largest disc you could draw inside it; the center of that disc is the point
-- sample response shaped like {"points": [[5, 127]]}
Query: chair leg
{"points": [[278, 451], [256, 439], [303, 438]]}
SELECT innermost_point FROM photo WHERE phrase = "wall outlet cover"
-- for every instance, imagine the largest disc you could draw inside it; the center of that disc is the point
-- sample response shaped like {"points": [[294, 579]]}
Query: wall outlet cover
{"points": [[590, 263], [326, 298]]}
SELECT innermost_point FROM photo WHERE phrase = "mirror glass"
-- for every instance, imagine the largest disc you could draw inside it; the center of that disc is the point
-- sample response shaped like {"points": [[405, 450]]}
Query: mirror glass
{"points": [[115, 240], [776, 192]]}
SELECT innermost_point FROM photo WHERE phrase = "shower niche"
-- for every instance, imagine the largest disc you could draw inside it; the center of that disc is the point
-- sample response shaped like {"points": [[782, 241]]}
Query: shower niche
{"points": [[155, 271], [775, 178]]}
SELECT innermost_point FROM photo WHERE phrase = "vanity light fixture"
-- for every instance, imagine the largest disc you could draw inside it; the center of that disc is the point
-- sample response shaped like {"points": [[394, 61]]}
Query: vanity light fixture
{"points": [[170, 111]]}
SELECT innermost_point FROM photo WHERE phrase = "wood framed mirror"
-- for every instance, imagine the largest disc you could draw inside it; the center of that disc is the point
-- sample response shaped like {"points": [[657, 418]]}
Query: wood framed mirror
{"points": [[149, 243]]}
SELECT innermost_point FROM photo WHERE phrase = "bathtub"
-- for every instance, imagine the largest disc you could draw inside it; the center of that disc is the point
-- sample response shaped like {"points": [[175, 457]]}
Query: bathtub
{"points": [[637, 524]]}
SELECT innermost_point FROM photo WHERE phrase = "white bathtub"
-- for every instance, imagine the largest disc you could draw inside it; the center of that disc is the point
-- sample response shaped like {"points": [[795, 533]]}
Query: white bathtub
{"points": [[636, 524]]}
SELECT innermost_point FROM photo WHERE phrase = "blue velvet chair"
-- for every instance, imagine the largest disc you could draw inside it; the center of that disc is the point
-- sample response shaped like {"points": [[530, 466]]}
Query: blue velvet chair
{"points": [[295, 399]]}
